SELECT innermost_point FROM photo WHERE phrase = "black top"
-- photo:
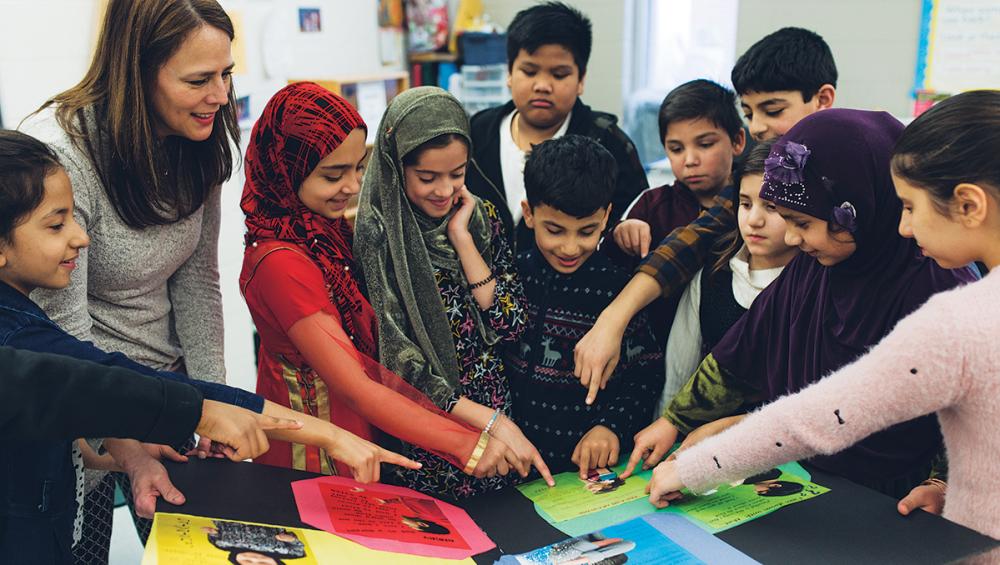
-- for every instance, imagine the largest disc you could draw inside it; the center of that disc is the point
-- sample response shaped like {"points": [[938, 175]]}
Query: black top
{"points": [[486, 182], [718, 310], [50, 397]]}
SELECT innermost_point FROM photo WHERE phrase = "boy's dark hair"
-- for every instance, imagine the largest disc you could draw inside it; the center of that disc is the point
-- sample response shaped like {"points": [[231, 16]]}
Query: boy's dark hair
{"points": [[729, 244], [24, 164], [573, 174], [550, 23], [701, 98], [791, 58], [956, 141]]}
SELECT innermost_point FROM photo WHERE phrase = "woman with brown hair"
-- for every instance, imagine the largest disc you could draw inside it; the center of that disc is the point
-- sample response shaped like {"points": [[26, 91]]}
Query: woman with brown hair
{"points": [[145, 138]]}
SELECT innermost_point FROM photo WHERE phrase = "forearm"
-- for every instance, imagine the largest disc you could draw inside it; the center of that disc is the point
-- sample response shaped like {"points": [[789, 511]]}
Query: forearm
{"points": [[475, 269], [711, 393], [472, 413], [636, 295]]}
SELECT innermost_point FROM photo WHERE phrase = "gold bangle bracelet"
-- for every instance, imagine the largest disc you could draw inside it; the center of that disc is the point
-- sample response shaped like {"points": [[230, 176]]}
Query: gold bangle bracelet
{"points": [[941, 485], [477, 453]]}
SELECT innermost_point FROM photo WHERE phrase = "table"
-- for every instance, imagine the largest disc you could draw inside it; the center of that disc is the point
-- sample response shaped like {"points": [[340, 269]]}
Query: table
{"points": [[850, 524]]}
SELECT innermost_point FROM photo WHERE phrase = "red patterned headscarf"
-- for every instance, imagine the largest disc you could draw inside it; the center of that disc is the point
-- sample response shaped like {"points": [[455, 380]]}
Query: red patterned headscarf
{"points": [[300, 126]]}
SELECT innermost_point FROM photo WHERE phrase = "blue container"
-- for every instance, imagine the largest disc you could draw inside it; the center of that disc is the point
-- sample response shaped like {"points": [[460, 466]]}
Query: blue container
{"points": [[479, 48]]}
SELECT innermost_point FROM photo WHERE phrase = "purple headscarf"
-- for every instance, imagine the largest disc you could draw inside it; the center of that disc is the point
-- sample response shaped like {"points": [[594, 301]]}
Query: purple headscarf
{"points": [[812, 320]]}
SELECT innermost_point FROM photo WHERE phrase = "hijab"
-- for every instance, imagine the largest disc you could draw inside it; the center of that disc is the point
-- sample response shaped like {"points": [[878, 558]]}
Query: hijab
{"points": [[834, 166], [401, 247], [300, 126]]}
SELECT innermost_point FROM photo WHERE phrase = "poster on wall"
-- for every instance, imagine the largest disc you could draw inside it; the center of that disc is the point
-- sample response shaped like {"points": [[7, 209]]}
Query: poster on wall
{"points": [[958, 50], [428, 24], [309, 20]]}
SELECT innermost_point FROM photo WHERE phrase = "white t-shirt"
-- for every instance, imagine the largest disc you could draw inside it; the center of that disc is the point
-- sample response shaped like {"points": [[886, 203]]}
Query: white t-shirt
{"points": [[512, 163]]}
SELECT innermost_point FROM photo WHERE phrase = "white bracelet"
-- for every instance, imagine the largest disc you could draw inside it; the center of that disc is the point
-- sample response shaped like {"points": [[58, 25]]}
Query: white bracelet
{"points": [[493, 420]]}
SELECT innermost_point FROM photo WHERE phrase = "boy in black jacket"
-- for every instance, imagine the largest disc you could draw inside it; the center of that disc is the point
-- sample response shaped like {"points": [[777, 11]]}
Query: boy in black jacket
{"points": [[548, 46]]}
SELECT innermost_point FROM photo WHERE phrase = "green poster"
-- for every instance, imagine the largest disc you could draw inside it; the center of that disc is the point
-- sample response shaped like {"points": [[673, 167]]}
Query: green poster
{"points": [[724, 509], [573, 497]]}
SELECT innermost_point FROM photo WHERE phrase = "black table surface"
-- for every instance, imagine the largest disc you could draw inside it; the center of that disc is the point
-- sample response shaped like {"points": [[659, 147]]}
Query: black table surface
{"points": [[849, 524]]}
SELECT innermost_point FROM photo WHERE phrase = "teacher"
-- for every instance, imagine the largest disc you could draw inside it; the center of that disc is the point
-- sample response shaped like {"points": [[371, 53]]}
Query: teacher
{"points": [[146, 140]]}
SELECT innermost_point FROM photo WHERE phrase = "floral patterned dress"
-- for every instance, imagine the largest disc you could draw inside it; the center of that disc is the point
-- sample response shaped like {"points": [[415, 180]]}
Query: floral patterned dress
{"points": [[482, 369]]}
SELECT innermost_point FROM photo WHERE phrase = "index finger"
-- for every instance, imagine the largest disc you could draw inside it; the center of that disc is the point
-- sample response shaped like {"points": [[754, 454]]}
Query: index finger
{"points": [[592, 388], [584, 461], [272, 423], [644, 240], [543, 469], [633, 460], [394, 458]]}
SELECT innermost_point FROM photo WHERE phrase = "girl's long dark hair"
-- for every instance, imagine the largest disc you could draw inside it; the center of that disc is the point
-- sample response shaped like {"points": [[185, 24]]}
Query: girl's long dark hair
{"points": [[729, 245], [110, 114]]}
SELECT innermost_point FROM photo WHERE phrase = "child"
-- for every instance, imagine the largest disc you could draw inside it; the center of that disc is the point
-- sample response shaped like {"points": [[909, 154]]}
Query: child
{"points": [[783, 78], [39, 242], [303, 163], [569, 184], [702, 134], [440, 276], [789, 61], [854, 280], [942, 358], [752, 257], [548, 47]]}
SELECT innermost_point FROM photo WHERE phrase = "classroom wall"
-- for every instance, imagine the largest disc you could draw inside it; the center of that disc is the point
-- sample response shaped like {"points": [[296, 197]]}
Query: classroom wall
{"points": [[603, 84], [873, 43]]}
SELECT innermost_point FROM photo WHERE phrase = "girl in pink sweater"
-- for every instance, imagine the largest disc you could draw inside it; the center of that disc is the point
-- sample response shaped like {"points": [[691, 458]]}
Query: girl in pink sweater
{"points": [[942, 358]]}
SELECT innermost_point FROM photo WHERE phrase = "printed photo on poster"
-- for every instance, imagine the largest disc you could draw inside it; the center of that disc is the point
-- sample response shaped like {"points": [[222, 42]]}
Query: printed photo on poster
{"points": [[179, 538], [309, 20]]}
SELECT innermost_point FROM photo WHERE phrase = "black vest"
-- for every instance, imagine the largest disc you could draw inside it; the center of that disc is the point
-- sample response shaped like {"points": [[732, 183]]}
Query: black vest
{"points": [[718, 310]]}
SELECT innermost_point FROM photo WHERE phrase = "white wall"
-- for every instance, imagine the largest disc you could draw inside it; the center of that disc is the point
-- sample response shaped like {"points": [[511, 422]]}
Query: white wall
{"points": [[45, 47], [874, 44], [603, 84]]}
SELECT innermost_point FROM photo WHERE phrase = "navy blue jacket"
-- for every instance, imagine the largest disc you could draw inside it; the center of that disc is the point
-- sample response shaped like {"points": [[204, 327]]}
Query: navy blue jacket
{"points": [[37, 479]]}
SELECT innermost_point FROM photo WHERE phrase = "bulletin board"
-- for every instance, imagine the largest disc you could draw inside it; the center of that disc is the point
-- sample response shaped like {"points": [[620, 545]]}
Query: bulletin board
{"points": [[959, 46]]}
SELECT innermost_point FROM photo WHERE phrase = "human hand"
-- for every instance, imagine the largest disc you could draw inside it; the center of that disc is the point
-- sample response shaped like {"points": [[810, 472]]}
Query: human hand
{"points": [[497, 459], [655, 439], [526, 453], [239, 432], [363, 457], [665, 485], [596, 355], [927, 497], [633, 237], [160, 452], [148, 476], [706, 431], [458, 225], [597, 448]]}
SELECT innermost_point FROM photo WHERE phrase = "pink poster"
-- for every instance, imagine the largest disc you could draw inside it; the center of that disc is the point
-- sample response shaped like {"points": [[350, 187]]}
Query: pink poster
{"points": [[389, 518]]}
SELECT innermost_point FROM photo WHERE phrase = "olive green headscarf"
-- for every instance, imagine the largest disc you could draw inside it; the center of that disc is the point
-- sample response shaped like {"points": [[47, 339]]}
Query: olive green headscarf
{"points": [[399, 248]]}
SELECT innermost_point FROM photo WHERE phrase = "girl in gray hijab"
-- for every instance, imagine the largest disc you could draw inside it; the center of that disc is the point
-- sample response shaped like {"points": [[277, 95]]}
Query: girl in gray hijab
{"points": [[440, 276]]}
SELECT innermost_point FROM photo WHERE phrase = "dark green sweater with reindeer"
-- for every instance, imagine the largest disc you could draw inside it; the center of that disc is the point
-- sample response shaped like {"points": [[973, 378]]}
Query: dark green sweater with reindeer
{"points": [[548, 401]]}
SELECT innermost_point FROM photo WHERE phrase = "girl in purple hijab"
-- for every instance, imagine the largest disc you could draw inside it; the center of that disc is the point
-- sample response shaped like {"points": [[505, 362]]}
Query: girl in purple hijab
{"points": [[855, 278]]}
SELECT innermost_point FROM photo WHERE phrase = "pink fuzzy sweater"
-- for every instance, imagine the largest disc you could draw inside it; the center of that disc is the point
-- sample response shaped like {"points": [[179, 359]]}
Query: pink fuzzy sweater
{"points": [[943, 358]]}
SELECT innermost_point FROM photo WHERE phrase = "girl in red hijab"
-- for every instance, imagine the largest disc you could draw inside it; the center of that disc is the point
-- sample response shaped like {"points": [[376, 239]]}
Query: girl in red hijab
{"points": [[318, 331]]}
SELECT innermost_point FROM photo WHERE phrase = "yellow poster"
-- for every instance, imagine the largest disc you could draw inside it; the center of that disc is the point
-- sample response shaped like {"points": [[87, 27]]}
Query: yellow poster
{"points": [[182, 539]]}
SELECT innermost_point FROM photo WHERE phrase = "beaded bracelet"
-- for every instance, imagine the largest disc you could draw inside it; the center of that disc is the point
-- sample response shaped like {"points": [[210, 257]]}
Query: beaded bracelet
{"points": [[493, 420], [483, 282], [477, 453]]}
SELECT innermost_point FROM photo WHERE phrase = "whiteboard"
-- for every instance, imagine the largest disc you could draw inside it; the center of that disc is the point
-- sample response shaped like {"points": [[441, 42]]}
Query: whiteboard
{"points": [[959, 46]]}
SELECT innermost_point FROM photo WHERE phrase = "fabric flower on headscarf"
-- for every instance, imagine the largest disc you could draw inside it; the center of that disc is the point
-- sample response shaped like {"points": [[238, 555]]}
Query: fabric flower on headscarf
{"points": [[846, 216], [787, 167]]}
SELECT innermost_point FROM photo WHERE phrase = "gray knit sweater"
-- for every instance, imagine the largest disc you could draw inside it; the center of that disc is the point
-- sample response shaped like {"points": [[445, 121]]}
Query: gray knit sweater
{"points": [[152, 294]]}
